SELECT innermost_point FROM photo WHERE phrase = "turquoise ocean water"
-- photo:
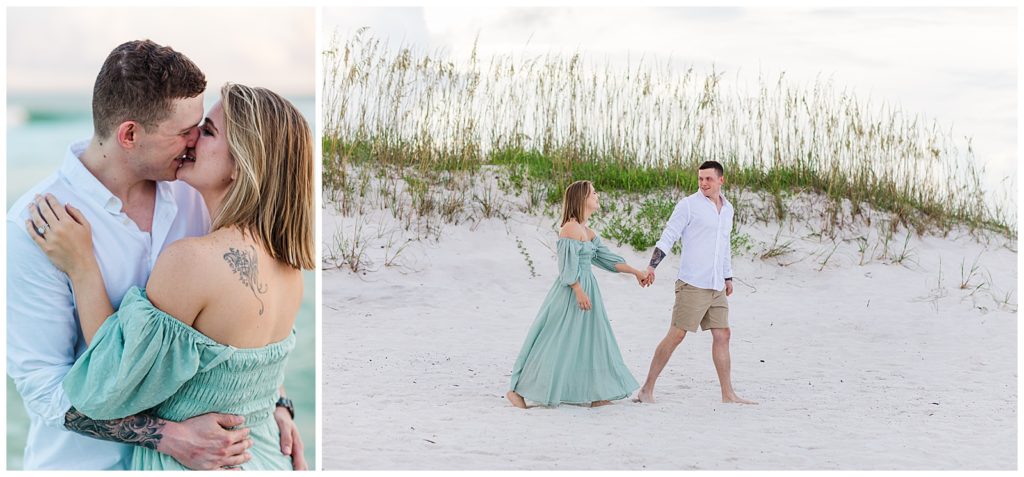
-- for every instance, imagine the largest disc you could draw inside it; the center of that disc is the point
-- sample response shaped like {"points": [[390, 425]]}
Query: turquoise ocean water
{"points": [[39, 129]]}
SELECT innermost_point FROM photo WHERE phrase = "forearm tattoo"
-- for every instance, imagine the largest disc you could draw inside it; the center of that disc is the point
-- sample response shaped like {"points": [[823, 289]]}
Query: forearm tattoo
{"points": [[656, 257], [245, 265], [140, 430]]}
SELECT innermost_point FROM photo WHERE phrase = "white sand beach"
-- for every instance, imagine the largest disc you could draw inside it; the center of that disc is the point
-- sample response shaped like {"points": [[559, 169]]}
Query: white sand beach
{"points": [[858, 362]]}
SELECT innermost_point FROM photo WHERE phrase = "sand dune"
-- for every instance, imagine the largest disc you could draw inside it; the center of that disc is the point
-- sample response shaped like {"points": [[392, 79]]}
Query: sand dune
{"points": [[879, 365]]}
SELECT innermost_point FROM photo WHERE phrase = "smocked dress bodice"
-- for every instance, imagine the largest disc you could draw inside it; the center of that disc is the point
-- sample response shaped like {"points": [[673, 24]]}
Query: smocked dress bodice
{"points": [[143, 359]]}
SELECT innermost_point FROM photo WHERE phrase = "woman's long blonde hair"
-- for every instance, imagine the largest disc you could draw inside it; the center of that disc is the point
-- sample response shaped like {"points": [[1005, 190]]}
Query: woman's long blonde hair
{"points": [[574, 202], [272, 196]]}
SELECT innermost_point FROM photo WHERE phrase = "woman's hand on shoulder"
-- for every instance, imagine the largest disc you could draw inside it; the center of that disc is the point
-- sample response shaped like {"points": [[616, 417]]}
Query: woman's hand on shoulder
{"points": [[63, 234]]}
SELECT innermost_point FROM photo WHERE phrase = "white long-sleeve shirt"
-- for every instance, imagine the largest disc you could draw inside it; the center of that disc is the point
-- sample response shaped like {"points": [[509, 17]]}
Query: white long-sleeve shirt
{"points": [[43, 334], [705, 233]]}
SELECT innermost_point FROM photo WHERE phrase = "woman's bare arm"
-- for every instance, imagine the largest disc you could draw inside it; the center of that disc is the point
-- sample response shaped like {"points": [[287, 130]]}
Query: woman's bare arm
{"points": [[91, 300], [65, 236]]}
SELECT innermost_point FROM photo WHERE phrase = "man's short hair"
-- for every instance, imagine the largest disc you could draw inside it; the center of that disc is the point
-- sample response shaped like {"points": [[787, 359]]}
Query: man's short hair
{"points": [[139, 82], [712, 165]]}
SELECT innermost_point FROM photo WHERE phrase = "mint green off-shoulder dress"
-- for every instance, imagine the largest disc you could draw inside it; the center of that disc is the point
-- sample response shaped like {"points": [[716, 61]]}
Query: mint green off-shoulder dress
{"points": [[143, 359], [570, 355]]}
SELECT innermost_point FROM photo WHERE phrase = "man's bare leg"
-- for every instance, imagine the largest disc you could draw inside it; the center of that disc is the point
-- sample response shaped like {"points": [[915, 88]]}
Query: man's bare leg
{"points": [[720, 355], [661, 356], [516, 399]]}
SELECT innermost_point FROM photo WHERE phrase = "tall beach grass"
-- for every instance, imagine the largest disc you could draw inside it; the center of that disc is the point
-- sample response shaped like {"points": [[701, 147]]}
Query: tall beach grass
{"points": [[426, 123]]}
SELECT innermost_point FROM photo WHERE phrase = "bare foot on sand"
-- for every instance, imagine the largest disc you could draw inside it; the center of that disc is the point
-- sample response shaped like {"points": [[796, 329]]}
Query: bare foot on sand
{"points": [[600, 403], [644, 397], [516, 399], [736, 400]]}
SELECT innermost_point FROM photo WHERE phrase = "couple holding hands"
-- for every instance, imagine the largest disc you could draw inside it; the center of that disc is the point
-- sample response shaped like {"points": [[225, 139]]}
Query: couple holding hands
{"points": [[570, 354]]}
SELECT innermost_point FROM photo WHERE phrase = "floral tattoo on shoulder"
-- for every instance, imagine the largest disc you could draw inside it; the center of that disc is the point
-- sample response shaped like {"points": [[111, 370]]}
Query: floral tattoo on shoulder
{"points": [[244, 263]]}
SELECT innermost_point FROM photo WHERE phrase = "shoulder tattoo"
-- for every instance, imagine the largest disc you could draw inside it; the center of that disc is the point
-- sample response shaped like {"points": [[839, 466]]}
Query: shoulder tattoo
{"points": [[245, 264]]}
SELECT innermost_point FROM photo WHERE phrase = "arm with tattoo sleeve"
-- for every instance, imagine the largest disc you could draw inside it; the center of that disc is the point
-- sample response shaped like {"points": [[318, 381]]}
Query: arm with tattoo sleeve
{"points": [[671, 234], [656, 258], [205, 442], [141, 429]]}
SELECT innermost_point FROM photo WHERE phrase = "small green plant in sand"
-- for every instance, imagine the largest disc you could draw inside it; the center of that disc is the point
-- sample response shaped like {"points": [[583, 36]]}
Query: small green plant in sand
{"points": [[526, 255]]}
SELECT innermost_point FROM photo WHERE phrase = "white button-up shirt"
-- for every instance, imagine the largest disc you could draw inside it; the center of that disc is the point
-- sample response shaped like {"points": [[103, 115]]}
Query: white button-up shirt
{"points": [[43, 334], [705, 235]]}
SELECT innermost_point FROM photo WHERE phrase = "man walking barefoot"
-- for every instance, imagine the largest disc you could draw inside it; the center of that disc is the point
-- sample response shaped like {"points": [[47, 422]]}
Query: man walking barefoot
{"points": [[703, 222]]}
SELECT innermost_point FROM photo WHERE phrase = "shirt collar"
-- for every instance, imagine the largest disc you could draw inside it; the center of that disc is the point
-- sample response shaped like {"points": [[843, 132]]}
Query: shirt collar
{"points": [[83, 180], [700, 195], [78, 176]]}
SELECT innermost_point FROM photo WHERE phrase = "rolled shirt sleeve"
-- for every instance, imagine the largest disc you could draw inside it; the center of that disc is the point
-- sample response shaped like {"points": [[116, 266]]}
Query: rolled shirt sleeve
{"points": [[674, 228]]}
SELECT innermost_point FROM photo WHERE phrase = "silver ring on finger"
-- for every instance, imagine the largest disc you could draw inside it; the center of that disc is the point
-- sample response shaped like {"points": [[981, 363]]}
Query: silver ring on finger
{"points": [[41, 231]]}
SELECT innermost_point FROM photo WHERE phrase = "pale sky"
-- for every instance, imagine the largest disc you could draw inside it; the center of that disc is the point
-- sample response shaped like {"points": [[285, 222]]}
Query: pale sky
{"points": [[954, 65], [60, 50]]}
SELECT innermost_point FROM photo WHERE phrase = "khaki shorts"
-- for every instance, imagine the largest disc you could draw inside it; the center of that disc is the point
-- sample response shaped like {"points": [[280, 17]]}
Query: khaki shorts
{"points": [[695, 305]]}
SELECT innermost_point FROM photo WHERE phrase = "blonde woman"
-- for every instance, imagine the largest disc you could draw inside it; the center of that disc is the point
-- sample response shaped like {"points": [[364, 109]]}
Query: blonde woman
{"points": [[570, 354], [213, 328]]}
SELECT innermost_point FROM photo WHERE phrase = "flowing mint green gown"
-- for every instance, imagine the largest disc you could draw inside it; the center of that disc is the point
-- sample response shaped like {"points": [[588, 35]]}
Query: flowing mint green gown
{"points": [[570, 355], [144, 359]]}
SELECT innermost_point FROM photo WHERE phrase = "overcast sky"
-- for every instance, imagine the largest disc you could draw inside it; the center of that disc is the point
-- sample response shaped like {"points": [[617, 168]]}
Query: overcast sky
{"points": [[955, 65], [61, 49]]}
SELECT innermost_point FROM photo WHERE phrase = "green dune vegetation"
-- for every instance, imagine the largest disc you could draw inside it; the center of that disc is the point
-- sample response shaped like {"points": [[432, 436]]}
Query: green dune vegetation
{"points": [[438, 139]]}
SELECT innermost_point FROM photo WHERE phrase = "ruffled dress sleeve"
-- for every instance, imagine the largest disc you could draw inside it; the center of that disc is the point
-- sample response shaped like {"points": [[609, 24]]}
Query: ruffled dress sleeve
{"points": [[605, 258], [138, 359], [568, 261]]}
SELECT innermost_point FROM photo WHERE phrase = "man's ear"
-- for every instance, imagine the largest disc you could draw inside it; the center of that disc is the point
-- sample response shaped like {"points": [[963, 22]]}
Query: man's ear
{"points": [[127, 134]]}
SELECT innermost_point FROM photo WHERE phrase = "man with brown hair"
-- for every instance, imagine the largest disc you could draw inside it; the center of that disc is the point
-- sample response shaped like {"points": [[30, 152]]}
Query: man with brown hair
{"points": [[147, 104], [702, 222]]}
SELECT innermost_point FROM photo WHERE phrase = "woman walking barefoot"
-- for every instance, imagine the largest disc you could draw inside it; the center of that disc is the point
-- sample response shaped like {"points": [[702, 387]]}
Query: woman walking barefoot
{"points": [[570, 354]]}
